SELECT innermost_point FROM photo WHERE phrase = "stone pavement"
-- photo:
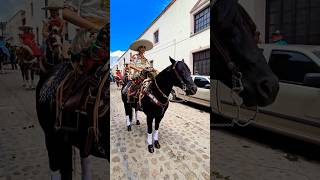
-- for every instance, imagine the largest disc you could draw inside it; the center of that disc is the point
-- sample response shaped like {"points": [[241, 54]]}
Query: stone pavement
{"points": [[23, 154], [184, 137], [236, 157]]}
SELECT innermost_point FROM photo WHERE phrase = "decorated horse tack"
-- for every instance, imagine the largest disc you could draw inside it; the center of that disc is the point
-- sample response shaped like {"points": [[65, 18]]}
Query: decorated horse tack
{"points": [[73, 102]]}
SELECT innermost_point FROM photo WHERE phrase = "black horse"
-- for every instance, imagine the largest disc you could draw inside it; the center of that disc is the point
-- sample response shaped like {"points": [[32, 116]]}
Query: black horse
{"points": [[3, 58], [82, 117], [155, 100], [237, 60]]}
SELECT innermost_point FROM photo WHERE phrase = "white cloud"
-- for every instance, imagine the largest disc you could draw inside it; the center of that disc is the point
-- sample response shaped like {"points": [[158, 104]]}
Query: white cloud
{"points": [[117, 53], [114, 57]]}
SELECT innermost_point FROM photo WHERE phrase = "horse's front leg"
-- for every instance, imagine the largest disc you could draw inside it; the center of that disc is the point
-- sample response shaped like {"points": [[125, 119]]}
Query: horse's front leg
{"points": [[149, 134], [156, 132], [85, 168], [32, 72]]}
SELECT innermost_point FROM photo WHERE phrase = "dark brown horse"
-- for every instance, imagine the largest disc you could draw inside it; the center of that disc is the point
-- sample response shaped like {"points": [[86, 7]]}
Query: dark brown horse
{"points": [[29, 65], [73, 108]]}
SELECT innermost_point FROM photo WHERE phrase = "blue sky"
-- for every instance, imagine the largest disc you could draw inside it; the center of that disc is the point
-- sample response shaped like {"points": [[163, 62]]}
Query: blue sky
{"points": [[9, 7], [129, 18]]}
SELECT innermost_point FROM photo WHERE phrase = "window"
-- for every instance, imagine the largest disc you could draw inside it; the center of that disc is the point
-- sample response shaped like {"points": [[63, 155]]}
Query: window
{"points": [[37, 31], [202, 20], [31, 6], [291, 66], [46, 4], [201, 82], [299, 20], [156, 37], [201, 62]]}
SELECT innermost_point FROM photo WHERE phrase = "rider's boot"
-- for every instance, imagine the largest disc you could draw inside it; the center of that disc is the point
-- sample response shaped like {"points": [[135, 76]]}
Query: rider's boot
{"points": [[136, 115], [55, 175], [85, 169], [156, 141], [149, 141], [128, 123]]}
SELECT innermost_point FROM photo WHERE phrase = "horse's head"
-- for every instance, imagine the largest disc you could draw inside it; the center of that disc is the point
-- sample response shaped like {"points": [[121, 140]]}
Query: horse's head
{"points": [[236, 55], [182, 77]]}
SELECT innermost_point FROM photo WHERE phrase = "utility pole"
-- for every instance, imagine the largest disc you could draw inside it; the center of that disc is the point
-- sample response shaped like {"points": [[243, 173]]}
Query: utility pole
{"points": [[2, 26]]}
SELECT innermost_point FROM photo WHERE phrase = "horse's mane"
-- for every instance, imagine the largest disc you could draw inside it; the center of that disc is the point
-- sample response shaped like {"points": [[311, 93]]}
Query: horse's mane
{"points": [[245, 20]]}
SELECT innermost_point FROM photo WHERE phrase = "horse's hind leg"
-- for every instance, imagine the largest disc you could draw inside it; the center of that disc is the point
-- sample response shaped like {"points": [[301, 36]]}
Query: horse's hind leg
{"points": [[26, 75], [149, 134], [32, 78]]}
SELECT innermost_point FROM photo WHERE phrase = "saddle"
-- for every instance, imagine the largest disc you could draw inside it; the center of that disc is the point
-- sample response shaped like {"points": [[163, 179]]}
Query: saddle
{"points": [[79, 96], [140, 83]]}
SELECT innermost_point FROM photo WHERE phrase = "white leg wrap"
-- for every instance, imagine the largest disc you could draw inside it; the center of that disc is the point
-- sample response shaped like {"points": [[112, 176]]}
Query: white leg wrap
{"points": [[128, 120], [156, 135], [136, 115], [55, 175], [85, 169], [149, 139]]}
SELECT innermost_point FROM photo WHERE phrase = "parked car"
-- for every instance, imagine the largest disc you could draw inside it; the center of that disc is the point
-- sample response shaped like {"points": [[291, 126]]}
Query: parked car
{"points": [[296, 111], [202, 96]]}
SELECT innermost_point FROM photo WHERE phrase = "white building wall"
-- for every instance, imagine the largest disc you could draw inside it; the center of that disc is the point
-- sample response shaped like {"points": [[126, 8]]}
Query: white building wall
{"points": [[175, 36], [257, 11], [36, 18], [12, 31]]}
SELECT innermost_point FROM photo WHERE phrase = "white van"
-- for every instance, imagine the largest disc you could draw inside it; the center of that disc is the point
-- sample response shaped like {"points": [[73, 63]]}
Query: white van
{"points": [[296, 111], [202, 96]]}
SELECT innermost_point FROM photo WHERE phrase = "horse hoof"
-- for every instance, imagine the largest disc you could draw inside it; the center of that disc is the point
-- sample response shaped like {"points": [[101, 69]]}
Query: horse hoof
{"points": [[157, 144], [150, 148], [138, 122], [129, 128]]}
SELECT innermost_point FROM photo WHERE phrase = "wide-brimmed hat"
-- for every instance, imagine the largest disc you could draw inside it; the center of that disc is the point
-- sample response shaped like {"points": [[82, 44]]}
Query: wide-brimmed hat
{"points": [[141, 42], [54, 5]]}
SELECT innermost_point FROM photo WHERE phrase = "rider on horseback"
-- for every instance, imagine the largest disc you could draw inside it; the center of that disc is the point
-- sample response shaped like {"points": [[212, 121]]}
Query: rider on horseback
{"points": [[141, 69], [53, 32], [27, 39]]}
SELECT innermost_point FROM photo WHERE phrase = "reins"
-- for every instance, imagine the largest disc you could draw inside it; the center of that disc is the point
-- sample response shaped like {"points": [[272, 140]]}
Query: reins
{"points": [[237, 86]]}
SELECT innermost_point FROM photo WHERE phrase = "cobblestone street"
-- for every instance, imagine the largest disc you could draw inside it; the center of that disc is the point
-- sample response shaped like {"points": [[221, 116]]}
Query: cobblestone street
{"points": [[245, 154], [185, 145], [23, 154]]}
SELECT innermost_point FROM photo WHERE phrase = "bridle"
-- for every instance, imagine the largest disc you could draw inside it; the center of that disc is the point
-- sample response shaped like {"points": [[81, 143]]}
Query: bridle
{"points": [[237, 85], [183, 84]]}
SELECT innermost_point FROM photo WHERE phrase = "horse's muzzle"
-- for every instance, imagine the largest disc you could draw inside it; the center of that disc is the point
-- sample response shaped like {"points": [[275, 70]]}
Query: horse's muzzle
{"points": [[192, 90]]}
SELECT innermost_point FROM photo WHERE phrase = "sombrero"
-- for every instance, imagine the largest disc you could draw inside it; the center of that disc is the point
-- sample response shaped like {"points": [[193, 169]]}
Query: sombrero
{"points": [[54, 5], [142, 42]]}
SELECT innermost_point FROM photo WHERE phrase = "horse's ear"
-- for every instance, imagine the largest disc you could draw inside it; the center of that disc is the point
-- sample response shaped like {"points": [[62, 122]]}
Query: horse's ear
{"points": [[172, 60], [182, 60]]}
